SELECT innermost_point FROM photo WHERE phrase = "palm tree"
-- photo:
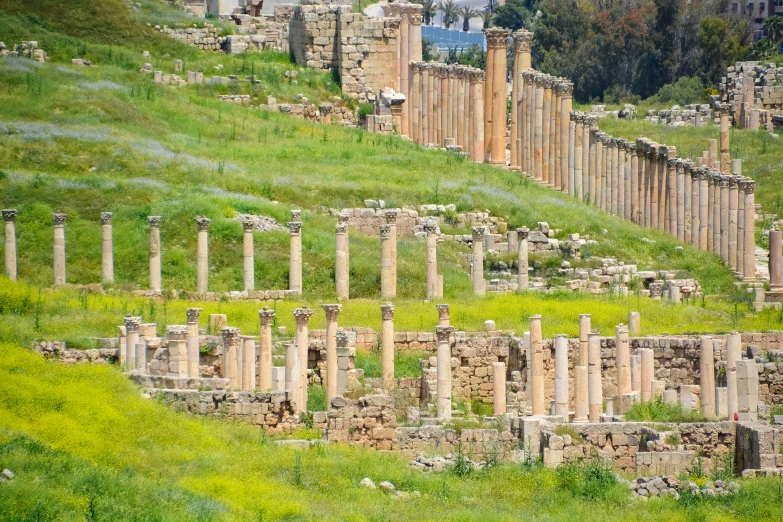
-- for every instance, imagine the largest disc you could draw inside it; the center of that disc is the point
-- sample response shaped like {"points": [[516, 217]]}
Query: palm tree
{"points": [[773, 26], [449, 10], [467, 13], [428, 10], [487, 16]]}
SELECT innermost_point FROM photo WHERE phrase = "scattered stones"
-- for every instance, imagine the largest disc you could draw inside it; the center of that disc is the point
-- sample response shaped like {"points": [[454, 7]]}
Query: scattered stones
{"points": [[367, 483]]}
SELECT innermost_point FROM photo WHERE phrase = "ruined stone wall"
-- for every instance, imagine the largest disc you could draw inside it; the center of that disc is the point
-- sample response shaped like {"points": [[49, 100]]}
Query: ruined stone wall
{"points": [[370, 422], [766, 82], [368, 53]]}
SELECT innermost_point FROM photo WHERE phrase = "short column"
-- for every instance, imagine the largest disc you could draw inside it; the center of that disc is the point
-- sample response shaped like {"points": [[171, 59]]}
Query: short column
{"points": [[386, 261], [443, 335], [293, 372], [107, 248], [265, 316], [176, 340], [775, 260], [634, 322], [248, 257], [636, 373], [648, 373], [332, 312], [302, 316], [725, 156], [537, 366], [230, 364], [561, 375], [248, 366], [724, 218], [707, 376], [733, 354], [59, 247], [622, 362], [194, 370], [432, 261], [156, 284], [295, 257], [443, 315], [478, 261], [499, 388], [342, 259], [747, 391], [202, 261], [387, 346], [9, 217], [523, 282], [595, 392], [132, 325]]}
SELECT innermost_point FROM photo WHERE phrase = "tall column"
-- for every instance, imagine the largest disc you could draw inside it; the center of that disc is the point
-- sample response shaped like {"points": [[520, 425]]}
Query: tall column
{"points": [[736, 170], [620, 178], [265, 364], [733, 354], [230, 365], [725, 157], [248, 257], [704, 209], [554, 137], [302, 316], [537, 366], [589, 121], [432, 261], [566, 104], [623, 363], [684, 213], [426, 103], [451, 102], [293, 372], [716, 212], [523, 282], [156, 284], [59, 247], [707, 376], [695, 206], [561, 375], [9, 217], [443, 334], [522, 46], [648, 373], [413, 109], [578, 136], [546, 116], [479, 120], [332, 312], [595, 394], [295, 257], [460, 111], [248, 357], [404, 67], [775, 260], [489, 67], [386, 261], [443, 315], [724, 218], [671, 191], [107, 248], [499, 388], [391, 219], [202, 260], [444, 104], [478, 261], [538, 127], [387, 346], [633, 211], [748, 187], [194, 370], [132, 325], [497, 40], [571, 156], [342, 264], [732, 214]]}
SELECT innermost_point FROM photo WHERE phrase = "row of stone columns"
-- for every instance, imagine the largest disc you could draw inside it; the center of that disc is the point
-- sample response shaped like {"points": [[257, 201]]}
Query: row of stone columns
{"points": [[447, 106], [495, 96], [409, 49], [477, 259]]}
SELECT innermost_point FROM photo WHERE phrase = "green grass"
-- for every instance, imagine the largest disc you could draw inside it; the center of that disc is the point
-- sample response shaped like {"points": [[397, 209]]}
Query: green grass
{"points": [[406, 363], [658, 411]]}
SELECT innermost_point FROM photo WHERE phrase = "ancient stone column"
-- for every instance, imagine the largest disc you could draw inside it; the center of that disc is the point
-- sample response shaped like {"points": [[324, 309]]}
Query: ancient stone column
{"points": [[732, 215], [443, 315], [584, 332], [733, 354], [156, 284], [479, 118], [622, 362], [460, 116], [426, 103], [716, 212], [403, 67], [620, 178], [546, 116], [497, 39], [693, 172], [595, 392], [736, 169], [248, 362], [707, 376], [724, 218], [443, 335], [451, 102], [571, 156], [725, 157], [265, 364], [554, 137], [704, 209], [342, 263], [636, 373], [521, 47], [302, 316], [391, 219], [295, 257], [387, 346], [387, 288], [432, 260], [589, 122], [59, 247], [478, 261], [578, 136], [566, 105], [499, 388], [132, 325], [332, 312], [230, 363], [748, 187], [248, 257], [634, 322], [489, 67], [202, 260], [194, 370], [671, 192], [581, 394], [538, 127], [293, 372], [107, 248], [648, 373], [522, 259], [775, 260], [561, 375], [176, 341], [9, 217], [537, 366], [747, 390]]}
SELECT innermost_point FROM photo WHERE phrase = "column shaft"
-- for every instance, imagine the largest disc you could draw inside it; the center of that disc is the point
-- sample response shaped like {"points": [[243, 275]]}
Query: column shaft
{"points": [[537, 366], [202, 259], [107, 248], [9, 217], [59, 248], [387, 346]]}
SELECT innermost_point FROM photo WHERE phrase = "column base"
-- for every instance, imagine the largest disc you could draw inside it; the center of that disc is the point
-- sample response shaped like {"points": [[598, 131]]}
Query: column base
{"points": [[774, 295]]}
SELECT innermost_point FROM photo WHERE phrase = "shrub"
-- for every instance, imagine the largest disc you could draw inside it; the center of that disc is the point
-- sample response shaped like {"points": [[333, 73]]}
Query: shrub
{"points": [[592, 478], [657, 411], [365, 109], [683, 92]]}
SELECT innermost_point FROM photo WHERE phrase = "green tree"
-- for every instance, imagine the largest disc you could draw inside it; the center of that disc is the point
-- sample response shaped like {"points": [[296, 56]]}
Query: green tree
{"points": [[450, 14], [426, 50], [486, 18], [467, 13], [711, 36], [514, 14], [773, 27], [428, 11]]}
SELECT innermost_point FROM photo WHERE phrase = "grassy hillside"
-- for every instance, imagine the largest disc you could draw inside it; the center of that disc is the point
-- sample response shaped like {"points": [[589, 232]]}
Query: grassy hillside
{"points": [[85, 446]]}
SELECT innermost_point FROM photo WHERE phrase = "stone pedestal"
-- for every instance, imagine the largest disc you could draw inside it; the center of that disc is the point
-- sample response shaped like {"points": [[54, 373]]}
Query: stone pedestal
{"points": [[9, 217], [59, 248], [332, 312], [670, 397], [432, 261], [156, 284], [747, 391], [477, 271], [707, 376], [231, 356], [302, 316], [342, 263], [443, 334], [499, 387], [194, 370], [387, 346], [523, 282], [647, 373], [202, 261], [537, 366], [295, 257], [248, 358], [623, 362], [176, 340], [733, 354], [248, 257], [132, 325], [107, 248]]}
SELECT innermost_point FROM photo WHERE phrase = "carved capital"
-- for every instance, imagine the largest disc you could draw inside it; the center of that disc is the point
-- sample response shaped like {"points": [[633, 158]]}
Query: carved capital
{"points": [[106, 218], [265, 315], [430, 227], [497, 37], [723, 181], [415, 18], [565, 90], [303, 314], [390, 216], [478, 233], [193, 314], [132, 324], [341, 228], [230, 336], [343, 217], [202, 222], [177, 332], [522, 233], [672, 163], [9, 215], [248, 225], [154, 221], [386, 231], [332, 311], [296, 215], [733, 181], [59, 219], [523, 41], [443, 309], [294, 227], [443, 333], [387, 312], [748, 186]]}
